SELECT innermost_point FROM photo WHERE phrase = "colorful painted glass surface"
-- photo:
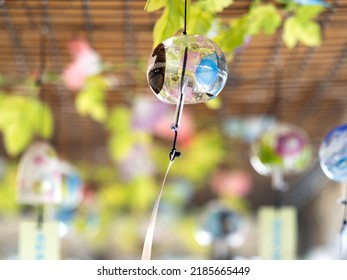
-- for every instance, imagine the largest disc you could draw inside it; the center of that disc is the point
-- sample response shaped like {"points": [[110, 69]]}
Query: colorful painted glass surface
{"points": [[39, 176], [283, 146], [333, 154]]}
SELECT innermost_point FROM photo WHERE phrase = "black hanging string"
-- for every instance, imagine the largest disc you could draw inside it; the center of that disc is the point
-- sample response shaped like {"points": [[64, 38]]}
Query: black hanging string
{"points": [[174, 153], [185, 18]]}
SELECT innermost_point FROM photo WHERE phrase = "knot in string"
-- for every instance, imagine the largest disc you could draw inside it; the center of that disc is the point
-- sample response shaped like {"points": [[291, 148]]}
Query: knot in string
{"points": [[174, 153]]}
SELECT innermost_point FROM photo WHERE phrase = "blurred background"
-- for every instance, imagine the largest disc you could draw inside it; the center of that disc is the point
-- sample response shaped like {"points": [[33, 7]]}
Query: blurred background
{"points": [[73, 74]]}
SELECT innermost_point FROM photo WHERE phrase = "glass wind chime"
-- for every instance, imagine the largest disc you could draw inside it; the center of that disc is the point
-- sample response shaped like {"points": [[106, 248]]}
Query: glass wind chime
{"points": [[333, 161], [184, 69], [39, 184], [284, 149]]}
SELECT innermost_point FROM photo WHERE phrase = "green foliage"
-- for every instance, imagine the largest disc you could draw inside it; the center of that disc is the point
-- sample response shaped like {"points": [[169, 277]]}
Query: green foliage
{"points": [[234, 36], [261, 18], [200, 15], [141, 193], [215, 6], [170, 21], [21, 118], [264, 18], [8, 201], [91, 100], [153, 5], [305, 13], [202, 156], [301, 28], [122, 137], [201, 20]]}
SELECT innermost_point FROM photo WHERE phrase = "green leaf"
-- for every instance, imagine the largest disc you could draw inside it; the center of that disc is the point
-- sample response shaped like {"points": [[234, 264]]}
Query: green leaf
{"points": [[166, 26], [229, 39], [99, 112], [96, 83], [215, 6], [200, 21], [153, 5], [16, 137], [41, 119], [309, 34], [289, 34], [91, 100], [264, 18], [308, 12], [306, 32], [21, 118], [170, 22], [46, 129]]}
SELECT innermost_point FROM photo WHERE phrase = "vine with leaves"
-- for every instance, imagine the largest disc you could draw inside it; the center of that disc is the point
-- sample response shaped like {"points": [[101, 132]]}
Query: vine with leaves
{"points": [[298, 19]]}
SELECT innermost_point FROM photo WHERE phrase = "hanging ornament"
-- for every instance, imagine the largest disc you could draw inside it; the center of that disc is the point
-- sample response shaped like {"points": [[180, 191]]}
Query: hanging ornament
{"points": [[195, 59], [283, 146], [72, 186], [333, 161], [39, 177], [222, 228], [283, 149], [222, 222], [183, 69], [72, 195], [333, 154]]}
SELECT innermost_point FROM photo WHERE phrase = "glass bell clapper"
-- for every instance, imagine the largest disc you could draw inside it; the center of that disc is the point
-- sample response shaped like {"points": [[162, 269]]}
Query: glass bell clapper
{"points": [[333, 161]]}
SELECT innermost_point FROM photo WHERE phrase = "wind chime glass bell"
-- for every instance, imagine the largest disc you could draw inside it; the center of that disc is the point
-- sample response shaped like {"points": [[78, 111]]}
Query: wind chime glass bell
{"points": [[333, 154], [205, 72]]}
